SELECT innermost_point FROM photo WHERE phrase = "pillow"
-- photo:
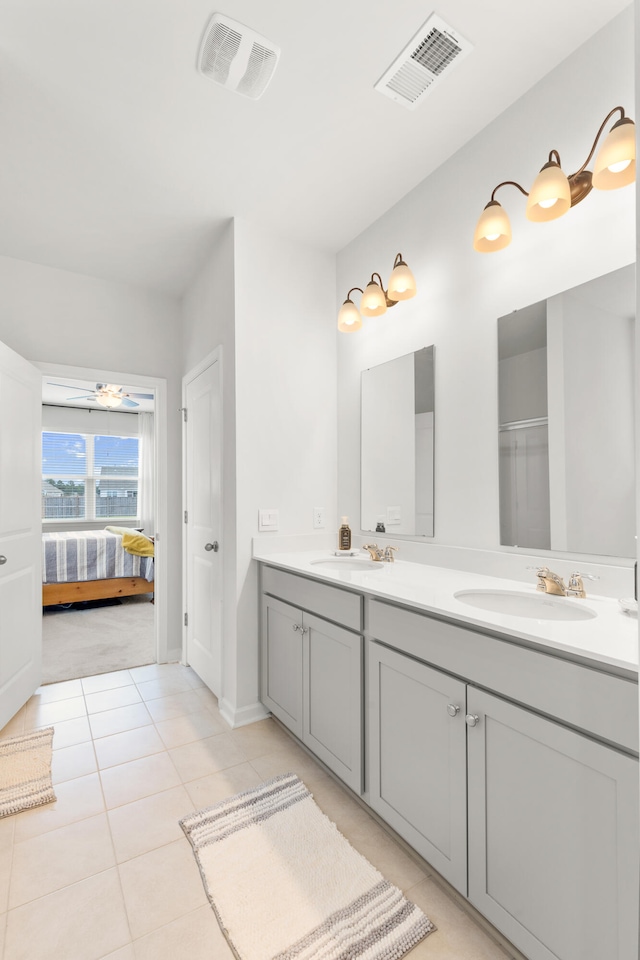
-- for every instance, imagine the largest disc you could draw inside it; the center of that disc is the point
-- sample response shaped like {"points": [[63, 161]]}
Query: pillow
{"points": [[137, 544], [120, 530]]}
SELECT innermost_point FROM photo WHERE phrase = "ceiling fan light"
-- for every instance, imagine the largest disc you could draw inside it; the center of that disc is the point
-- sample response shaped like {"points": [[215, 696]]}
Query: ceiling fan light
{"points": [[108, 400], [615, 163], [349, 319], [374, 302], [402, 284], [550, 195], [493, 230]]}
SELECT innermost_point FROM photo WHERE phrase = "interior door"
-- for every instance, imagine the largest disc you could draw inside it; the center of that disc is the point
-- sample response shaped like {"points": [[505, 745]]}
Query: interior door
{"points": [[203, 561], [20, 532]]}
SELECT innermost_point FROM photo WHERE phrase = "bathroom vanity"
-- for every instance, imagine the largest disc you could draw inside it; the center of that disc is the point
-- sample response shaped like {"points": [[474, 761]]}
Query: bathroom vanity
{"points": [[502, 748]]}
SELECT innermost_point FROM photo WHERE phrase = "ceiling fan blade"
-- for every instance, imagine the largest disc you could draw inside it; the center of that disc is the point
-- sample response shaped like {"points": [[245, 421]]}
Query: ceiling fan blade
{"points": [[129, 403], [90, 396], [141, 396], [69, 386]]}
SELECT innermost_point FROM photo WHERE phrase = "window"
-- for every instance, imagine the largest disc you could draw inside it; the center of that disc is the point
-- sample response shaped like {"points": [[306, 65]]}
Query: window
{"points": [[89, 477]]}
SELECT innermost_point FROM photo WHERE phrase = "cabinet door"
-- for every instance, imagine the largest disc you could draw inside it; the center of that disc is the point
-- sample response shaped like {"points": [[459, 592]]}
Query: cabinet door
{"points": [[417, 757], [332, 671], [553, 835], [281, 662]]}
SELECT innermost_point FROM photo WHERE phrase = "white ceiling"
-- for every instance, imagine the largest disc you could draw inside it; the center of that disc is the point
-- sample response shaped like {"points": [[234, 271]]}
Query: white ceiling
{"points": [[121, 161]]}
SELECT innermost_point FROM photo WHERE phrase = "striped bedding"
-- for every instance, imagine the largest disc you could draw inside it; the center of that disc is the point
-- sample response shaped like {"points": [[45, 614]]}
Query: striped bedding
{"points": [[89, 555]]}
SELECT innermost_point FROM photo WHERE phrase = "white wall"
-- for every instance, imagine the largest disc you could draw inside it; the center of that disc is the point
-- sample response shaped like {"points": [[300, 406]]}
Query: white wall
{"points": [[462, 293], [54, 316], [286, 413]]}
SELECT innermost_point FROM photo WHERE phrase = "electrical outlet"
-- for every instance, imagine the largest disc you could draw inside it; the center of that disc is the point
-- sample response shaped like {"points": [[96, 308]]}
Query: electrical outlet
{"points": [[268, 519], [318, 518]]}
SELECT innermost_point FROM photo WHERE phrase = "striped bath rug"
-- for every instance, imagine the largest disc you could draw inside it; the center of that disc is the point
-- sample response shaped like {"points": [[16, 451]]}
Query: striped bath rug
{"points": [[286, 885], [25, 771]]}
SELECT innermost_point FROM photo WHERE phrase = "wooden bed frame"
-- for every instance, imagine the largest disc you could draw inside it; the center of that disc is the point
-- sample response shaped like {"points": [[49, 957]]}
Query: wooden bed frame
{"points": [[74, 592]]}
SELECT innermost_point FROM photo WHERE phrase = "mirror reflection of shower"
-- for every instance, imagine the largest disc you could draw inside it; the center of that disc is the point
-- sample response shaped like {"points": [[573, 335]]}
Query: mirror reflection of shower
{"points": [[566, 420], [397, 445]]}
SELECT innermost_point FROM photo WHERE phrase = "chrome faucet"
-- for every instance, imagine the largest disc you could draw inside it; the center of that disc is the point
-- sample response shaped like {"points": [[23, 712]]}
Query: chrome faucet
{"points": [[378, 554]]}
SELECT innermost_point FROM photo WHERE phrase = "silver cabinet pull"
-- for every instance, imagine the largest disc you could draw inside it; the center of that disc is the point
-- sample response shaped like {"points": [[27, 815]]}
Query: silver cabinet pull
{"points": [[296, 626], [2, 560], [453, 709], [212, 546], [472, 719]]}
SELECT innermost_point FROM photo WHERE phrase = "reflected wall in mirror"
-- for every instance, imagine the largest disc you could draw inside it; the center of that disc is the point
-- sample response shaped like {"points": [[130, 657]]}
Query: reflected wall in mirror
{"points": [[396, 457], [566, 420]]}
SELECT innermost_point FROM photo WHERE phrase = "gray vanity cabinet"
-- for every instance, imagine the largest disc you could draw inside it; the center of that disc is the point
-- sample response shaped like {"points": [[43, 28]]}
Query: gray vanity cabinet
{"points": [[311, 668], [417, 753], [553, 834], [281, 665]]}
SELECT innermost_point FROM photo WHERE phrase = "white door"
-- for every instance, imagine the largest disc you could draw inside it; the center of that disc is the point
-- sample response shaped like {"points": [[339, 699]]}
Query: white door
{"points": [[202, 395], [20, 532]]}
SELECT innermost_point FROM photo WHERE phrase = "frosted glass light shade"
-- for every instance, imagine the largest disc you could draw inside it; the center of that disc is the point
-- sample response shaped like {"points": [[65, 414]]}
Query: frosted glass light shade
{"points": [[349, 319], [550, 195], [402, 285], [615, 164], [108, 400], [493, 230], [374, 302]]}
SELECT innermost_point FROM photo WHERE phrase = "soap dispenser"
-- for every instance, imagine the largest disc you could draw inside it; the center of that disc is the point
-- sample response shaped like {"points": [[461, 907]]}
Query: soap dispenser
{"points": [[344, 535]]}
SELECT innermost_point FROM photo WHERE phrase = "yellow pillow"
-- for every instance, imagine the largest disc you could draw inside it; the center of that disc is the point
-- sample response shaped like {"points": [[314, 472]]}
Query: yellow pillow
{"points": [[137, 544]]}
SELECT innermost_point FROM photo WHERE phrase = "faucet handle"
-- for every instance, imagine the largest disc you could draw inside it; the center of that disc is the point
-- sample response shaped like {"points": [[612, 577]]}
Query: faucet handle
{"points": [[388, 553]]}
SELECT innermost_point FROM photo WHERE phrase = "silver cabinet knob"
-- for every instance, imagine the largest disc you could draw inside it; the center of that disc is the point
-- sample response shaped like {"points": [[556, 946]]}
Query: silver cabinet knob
{"points": [[472, 719], [296, 626], [212, 546], [2, 560], [453, 709]]}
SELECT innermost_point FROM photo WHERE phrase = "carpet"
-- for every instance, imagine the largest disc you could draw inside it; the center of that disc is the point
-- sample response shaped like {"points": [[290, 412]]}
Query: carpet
{"points": [[25, 771], [286, 885], [97, 638]]}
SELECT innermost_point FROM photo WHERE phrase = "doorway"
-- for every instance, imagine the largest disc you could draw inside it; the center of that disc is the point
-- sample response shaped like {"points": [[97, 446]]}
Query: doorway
{"points": [[103, 486]]}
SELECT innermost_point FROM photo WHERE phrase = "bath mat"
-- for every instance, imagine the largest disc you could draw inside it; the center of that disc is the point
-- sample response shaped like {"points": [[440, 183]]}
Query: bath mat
{"points": [[25, 771], [286, 885]]}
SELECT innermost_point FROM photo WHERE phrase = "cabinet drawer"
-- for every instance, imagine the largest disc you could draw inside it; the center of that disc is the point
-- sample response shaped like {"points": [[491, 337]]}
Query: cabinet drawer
{"points": [[599, 703], [332, 603]]}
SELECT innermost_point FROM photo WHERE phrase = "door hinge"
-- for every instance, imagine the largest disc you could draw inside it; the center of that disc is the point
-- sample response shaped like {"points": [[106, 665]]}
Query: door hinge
{"points": [[186, 516], [186, 619], [183, 411]]}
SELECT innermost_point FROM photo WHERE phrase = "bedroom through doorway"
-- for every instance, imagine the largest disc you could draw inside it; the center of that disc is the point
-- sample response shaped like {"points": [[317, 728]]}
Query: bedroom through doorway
{"points": [[98, 502]]}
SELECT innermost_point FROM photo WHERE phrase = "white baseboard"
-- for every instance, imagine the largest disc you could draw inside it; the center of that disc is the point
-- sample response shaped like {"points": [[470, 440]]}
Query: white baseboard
{"points": [[242, 716]]}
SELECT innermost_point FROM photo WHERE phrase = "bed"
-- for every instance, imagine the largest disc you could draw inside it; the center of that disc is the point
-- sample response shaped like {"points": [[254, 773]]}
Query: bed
{"points": [[91, 565]]}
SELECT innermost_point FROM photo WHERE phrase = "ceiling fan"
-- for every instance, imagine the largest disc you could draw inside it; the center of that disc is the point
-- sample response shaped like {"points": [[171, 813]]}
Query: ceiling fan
{"points": [[108, 395]]}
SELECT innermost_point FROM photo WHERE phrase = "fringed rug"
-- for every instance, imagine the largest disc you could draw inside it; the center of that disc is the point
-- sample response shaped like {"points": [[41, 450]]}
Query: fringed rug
{"points": [[25, 771], [286, 885]]}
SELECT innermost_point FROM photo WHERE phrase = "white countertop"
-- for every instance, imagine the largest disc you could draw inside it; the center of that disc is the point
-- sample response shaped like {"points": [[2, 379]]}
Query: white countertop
{"points": [[611, 637]]}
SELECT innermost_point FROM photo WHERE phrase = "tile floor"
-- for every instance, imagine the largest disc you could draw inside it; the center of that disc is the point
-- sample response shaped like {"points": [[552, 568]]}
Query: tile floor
{"points": [[105, 872]]}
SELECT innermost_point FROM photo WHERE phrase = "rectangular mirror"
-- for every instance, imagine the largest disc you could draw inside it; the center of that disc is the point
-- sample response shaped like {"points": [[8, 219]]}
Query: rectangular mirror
{"points": [[397, 444], [566, 420]]}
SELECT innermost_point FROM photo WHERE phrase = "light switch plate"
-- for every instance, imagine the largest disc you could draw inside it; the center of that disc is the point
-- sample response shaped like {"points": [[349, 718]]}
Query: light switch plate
{"points": [[318, 518], [268, 519]]}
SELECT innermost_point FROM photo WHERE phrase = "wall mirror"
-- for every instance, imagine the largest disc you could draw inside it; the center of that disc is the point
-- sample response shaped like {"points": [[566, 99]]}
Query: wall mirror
{"points": [[396, 458], [566, 420]]}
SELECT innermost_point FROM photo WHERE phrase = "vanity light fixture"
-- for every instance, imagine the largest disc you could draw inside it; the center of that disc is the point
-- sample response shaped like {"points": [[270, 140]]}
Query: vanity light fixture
{"points": [[553, 192], [375, 299]]}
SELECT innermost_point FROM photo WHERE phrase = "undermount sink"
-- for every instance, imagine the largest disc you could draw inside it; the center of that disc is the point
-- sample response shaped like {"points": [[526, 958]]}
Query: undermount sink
{"points": [[535, 606], [348, 563]]}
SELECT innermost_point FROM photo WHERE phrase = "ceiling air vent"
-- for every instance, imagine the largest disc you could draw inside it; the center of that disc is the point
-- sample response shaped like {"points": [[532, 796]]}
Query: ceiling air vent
{"points": [[426, 59], [236, 57]]}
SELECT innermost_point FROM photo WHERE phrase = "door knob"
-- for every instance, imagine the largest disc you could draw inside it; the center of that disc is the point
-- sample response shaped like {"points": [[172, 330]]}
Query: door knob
{"points": [[2, 560], [472, 719], [212, 546], [453, 709]]}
